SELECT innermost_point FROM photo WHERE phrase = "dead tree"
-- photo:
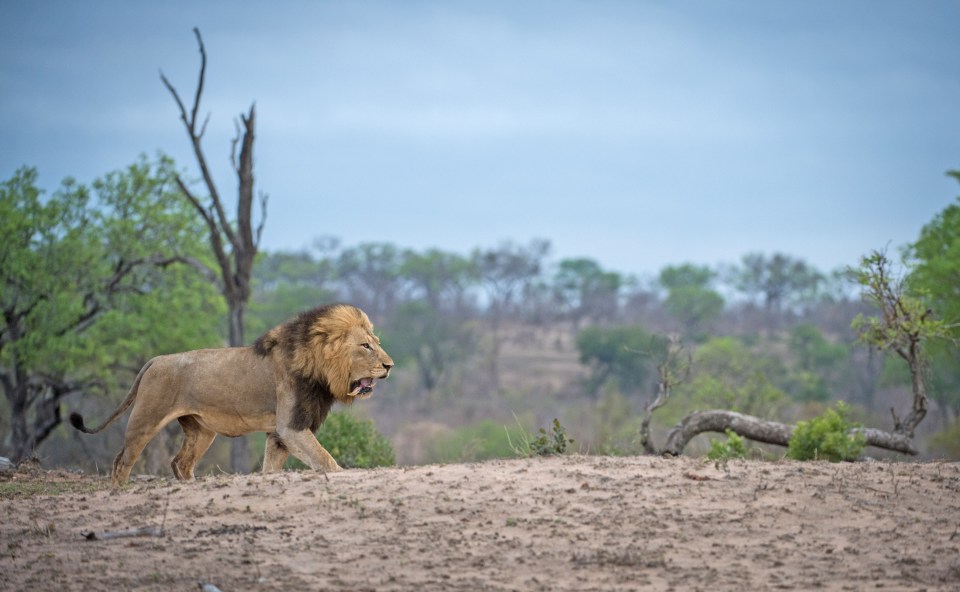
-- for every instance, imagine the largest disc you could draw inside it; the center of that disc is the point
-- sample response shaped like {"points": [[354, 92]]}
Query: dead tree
{"points": [[234, 242]]}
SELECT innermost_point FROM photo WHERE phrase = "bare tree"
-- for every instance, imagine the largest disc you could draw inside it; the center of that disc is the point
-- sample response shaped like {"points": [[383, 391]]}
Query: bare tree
{"points": [[234, 242]]}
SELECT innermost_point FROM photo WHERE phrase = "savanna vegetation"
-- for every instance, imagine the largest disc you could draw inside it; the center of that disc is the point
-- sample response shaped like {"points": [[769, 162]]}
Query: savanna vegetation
{"points": [[491, 345]]}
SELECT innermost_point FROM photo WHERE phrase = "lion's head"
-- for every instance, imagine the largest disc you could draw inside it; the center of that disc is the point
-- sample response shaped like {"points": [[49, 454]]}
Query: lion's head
{"points": [[334, 345]]}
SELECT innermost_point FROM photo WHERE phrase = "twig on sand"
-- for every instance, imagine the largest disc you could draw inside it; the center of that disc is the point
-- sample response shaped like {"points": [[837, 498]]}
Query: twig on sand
{"points": [[154, 531]]}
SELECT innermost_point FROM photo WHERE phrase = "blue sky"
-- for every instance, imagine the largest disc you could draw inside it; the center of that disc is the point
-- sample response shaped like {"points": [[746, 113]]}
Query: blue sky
{"points": [[640, 134]]}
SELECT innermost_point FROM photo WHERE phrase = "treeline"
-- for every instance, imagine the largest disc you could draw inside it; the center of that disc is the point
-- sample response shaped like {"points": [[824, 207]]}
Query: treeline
{"points": [[97, 279], [771, 336]]}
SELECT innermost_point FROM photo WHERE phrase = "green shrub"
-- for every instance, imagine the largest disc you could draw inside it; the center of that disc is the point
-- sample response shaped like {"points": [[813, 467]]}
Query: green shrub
{"points": [[826, 437], [732, 448], [556, 442], [355, 443]]}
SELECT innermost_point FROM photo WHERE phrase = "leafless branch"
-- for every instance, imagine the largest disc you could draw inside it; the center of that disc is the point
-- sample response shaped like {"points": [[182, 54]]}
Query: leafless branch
{"points": [[263, 218], [203, 75]]}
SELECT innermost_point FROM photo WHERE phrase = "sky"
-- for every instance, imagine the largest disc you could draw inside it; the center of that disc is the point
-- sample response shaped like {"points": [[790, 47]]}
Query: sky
{"points": [[639, 133]]}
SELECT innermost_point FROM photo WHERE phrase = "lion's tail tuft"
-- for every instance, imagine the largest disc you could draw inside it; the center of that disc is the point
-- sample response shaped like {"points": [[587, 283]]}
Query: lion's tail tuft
{"points": [[76, 420]]}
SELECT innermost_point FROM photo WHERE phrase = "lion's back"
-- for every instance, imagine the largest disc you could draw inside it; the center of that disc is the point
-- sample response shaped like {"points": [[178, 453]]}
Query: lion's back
{"points": [[198, 379]]}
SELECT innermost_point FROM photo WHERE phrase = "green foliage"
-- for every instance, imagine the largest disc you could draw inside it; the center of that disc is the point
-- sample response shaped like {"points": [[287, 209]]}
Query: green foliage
{"points": [[826, 437], [905, 321], [355, 443], [94, 280], [733, 447], [730, 375], [690, 300], [438, 276], [284, 284], [621, 354], [89, 275], [779, 280], [936, 254], [936, 276], [433, 339], [818, 364], [584, 289], [479, 441], [545, 444]]}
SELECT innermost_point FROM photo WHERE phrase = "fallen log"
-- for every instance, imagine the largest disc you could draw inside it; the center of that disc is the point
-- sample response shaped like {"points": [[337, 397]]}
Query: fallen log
{"points": [[768, 432]]}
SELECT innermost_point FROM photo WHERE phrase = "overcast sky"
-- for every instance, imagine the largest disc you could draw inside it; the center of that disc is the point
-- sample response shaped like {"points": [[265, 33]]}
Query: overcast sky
{"points": [[640, 134]]}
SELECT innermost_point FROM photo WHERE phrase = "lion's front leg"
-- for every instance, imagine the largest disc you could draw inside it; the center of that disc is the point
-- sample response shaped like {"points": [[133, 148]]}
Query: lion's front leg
{"points": [[303, 445]]}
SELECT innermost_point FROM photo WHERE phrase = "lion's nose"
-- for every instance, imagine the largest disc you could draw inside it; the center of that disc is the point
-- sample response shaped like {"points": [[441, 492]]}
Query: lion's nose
{"points": [[387, 366]]}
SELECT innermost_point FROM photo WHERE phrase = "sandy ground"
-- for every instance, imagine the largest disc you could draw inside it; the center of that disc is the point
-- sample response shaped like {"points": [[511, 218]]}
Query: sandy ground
{"points": [[562, 523]]}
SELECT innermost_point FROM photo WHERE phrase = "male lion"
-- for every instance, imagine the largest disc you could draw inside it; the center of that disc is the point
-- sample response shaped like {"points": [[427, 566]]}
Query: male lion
{"points": [[284, 385]]}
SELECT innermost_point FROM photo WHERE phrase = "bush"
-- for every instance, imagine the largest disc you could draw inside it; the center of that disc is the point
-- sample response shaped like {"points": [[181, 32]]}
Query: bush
{"points": [[826, 437], [556, 442], [732, 448], [355, 443]]}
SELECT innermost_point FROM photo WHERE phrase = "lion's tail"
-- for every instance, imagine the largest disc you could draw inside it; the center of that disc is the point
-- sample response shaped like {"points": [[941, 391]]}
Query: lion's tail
{"points": [[76, 420]]}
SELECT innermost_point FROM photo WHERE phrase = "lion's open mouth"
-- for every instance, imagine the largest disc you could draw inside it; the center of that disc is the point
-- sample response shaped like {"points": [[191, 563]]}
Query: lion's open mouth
{"points": [[362, 387]]}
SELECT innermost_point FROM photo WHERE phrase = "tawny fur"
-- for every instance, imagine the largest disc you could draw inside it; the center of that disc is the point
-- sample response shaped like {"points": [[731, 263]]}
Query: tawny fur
{"points": [[283, 385]]}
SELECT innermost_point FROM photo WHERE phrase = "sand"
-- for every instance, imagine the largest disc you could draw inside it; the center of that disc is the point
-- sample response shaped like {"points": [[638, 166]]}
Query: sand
{"points": [[556, 523]]}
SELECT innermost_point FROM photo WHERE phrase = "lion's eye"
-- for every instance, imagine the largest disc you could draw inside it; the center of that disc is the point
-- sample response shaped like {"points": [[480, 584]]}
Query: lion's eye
{"points": [[365, 346]]}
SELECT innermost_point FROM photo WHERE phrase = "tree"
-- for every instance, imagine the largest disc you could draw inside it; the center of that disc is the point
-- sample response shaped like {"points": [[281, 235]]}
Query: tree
{"points": [[904, 327], [779, 281], [690, 299], [731, 375], [585, 290], [505, 273], [370, 273], [234, 242], [936, 276], [434, 339], [441, 279], [818, 363], [287, 282], [87, 283], [936, 257], [619, 354], [432, 327]]}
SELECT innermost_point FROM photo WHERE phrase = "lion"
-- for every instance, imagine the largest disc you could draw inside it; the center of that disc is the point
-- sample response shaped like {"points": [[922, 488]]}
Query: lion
{"points": [[284, 385]]}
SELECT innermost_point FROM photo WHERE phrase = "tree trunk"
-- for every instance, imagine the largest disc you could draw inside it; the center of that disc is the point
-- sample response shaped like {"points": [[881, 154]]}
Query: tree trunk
{"points": [[768, 432], [20, 446], [918, 411], [752, 428]]}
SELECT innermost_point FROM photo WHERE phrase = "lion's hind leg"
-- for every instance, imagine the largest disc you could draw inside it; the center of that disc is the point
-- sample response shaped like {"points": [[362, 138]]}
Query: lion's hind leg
{"points": [[140, 430], [275, 455], [196, 442]]}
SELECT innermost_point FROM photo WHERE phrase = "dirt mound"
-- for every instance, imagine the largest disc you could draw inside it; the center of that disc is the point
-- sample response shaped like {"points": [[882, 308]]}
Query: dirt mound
{"points": [[564, 523]]}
